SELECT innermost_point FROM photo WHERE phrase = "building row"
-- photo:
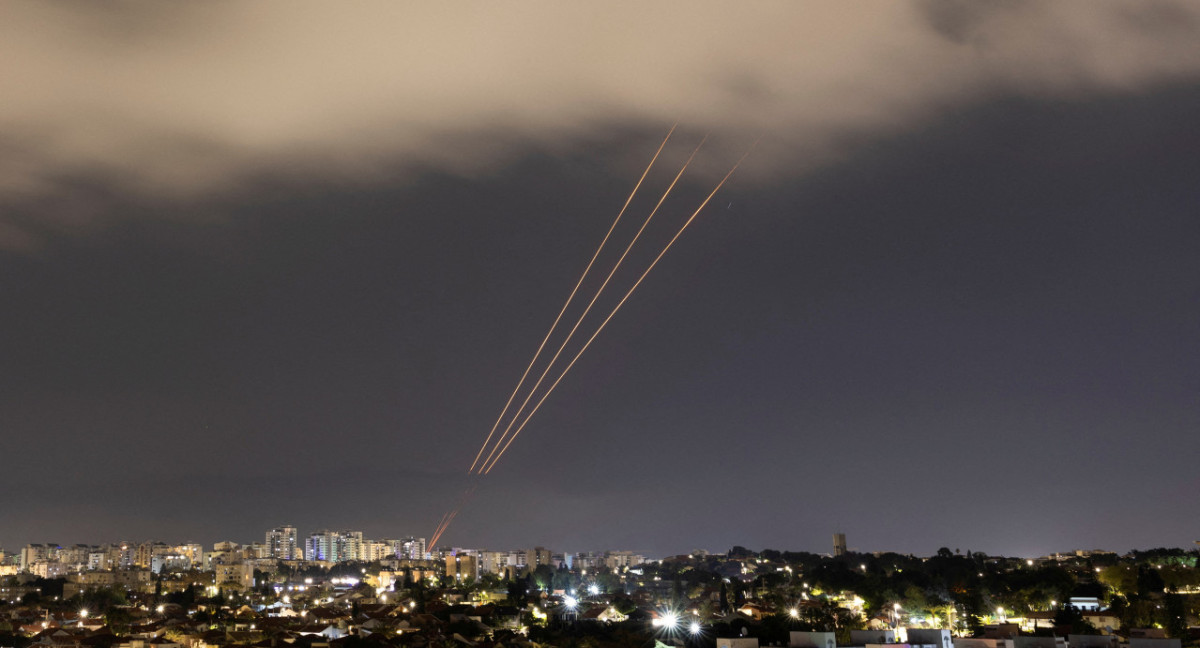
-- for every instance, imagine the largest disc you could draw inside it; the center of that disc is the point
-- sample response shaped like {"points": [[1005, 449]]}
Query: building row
{"points": [[325, 547], [338, 546]]}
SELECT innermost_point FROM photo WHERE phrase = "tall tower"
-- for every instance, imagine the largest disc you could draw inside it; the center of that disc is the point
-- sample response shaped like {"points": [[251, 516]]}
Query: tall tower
{"points": [[839, 544], [411, 547], [324, 545], [281, 542]]}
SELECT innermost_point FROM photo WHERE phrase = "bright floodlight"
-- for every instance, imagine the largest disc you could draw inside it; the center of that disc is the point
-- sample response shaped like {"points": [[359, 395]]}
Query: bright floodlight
{"points": [[83, 613], [570, 602], [670, 619], [160, 609], [594, 589], [794, 613], [694, 628], [896, 606]]}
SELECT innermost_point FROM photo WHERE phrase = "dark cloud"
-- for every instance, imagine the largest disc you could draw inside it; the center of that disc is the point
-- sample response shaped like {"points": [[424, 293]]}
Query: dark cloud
{"points": [[962, 21]]}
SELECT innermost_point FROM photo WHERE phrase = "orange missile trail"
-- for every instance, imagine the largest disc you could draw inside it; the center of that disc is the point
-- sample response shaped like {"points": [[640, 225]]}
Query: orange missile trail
{"points": [[488, 467], [591, 303], [449, 516], [442, 528], [570, 297], [438, 529]]}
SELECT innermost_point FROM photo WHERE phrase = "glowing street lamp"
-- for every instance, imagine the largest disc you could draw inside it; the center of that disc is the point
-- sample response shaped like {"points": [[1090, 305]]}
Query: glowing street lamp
{"points": [[694, 628], [668, 621]]}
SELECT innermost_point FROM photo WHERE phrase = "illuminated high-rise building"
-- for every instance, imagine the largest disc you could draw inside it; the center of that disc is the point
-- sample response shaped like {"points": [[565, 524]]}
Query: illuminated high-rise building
{"points": [[413, 548], [351, 545], [281, 542], [322, 545]]}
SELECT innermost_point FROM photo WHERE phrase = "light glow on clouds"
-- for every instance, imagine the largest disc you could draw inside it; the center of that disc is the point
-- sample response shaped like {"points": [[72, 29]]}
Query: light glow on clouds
{"points": [[175, 100]]}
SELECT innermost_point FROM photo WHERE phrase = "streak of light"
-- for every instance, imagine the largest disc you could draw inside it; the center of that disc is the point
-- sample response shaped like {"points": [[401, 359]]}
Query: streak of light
{"points": [[445, 524], [441, 525], [570, 297], [488, 467], [591, 303], [449, 516], [442, 529]]}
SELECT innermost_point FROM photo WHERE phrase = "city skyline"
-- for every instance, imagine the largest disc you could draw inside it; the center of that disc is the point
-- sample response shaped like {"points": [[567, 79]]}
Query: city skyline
{"points": [[949, 300], [288, 543]]}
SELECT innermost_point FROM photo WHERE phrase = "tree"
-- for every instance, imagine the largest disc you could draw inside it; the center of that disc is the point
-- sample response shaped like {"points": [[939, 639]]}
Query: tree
{"points": [[1069, 616], [118, 620], [774, 629], [1174, 614], [543, 576], [739, 551], [1149, 581], [1121, 580], [516, 591]]}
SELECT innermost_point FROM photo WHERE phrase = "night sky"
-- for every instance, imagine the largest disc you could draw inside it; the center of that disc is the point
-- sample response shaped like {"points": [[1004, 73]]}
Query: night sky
{"points": [[283, 263]]}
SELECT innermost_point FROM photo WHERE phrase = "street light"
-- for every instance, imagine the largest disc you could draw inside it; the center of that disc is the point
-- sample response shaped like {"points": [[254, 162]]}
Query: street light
{"points": [[669, 621]]}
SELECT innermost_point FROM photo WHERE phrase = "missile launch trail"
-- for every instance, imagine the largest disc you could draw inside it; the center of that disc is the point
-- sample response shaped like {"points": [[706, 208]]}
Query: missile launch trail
{"points": [[591, 303], [572, 296], [500, 445], [616, 308]]}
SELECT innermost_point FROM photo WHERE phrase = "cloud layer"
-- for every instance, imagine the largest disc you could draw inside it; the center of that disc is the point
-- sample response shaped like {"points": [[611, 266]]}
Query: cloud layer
{"points": [[179, 100]]}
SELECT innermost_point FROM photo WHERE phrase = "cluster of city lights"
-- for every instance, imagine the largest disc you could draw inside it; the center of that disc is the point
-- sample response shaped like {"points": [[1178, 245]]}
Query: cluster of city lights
{"points": [[669, 622]]}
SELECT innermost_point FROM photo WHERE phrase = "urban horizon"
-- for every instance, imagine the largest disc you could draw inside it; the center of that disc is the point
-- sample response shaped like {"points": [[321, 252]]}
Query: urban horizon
{"points": [[330, 546]]}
